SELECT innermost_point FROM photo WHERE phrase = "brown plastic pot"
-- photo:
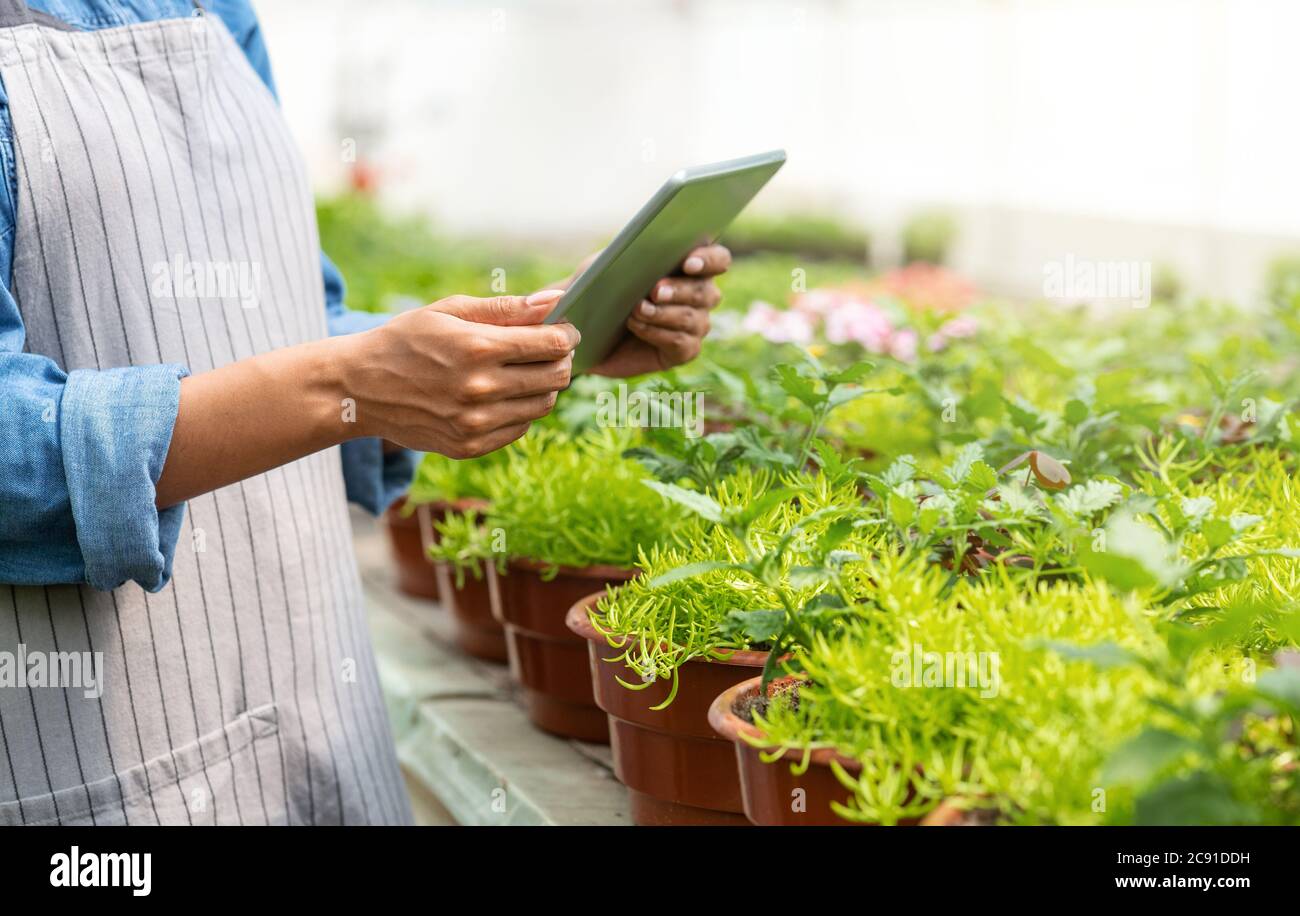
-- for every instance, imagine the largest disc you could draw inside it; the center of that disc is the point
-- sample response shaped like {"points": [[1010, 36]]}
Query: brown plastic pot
{"points": [[773, 796], [676, 768], [547, 660], [477, 632], [415, 575], [409, 536]]}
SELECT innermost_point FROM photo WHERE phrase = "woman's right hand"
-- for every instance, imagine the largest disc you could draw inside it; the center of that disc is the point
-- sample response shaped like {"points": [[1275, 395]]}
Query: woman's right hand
{"points": [[462, 376]]}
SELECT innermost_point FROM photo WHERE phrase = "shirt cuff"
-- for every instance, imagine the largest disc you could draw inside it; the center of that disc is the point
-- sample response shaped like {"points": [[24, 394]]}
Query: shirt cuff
{"points": [[374, 479], [116, 427]]}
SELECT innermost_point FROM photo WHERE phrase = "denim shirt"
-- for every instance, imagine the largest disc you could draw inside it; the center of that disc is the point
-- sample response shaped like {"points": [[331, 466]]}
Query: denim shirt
{"points": [[81, 452]]}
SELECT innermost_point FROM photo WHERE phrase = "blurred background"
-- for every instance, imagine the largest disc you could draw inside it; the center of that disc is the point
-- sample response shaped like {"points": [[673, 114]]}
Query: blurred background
{"points": [[449, 139]]}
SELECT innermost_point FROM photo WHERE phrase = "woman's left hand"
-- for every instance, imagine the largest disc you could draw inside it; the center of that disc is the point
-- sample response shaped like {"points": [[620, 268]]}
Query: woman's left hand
{"points": [[668, 329]]}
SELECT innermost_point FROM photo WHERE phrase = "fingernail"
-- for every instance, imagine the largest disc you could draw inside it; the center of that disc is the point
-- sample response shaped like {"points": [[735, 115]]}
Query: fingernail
{"points": [[694, 264], [545, 297], [648, 309], [665, 293]]}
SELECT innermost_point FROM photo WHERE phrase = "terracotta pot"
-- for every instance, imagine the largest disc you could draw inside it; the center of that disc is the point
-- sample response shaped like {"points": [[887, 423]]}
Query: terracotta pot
{"points": [[678, 770], [477, 632], [547, 660], [410, 537], [773, 796], [414, 571]]}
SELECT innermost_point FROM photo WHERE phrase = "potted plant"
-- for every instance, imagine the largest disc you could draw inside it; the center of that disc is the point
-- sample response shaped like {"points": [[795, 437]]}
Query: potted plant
{"points": [[461, 549], [661, 647], [441, 486], [572, 513]]}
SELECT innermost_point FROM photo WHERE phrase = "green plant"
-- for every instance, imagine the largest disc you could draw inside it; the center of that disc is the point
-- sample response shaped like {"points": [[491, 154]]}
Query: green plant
{"points": [[806, 235], [391, 262], [575, 501], [927, 237], [467, 545], [752, 568], [441, 478]]}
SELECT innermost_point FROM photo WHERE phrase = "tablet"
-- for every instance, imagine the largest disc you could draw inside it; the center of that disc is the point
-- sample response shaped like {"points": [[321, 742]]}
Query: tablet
{"points": [[691, 209]]}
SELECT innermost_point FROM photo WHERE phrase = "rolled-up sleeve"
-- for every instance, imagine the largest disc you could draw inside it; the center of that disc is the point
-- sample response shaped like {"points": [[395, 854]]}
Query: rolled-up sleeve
{"points": [[374, 478], [80, 457]]}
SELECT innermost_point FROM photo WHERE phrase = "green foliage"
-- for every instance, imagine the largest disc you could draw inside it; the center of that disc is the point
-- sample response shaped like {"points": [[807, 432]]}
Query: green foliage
{"points": [[393, 262], [467, 545], [805, 235], [1104, 510], [928, 236], [576, 501], [441, 478]]}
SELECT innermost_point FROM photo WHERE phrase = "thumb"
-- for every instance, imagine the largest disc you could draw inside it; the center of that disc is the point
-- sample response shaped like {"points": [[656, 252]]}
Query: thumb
{"points": [[503, 311]]}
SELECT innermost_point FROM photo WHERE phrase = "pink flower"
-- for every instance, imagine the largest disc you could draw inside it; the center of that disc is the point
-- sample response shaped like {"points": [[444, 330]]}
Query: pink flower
{"points": [[958, 328], [902, 346], [778, 325], [861, 322], [952, 330], [819, 302]]}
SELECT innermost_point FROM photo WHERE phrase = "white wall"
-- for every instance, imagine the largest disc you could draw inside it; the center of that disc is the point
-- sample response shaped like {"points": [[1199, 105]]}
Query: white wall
{"points": [[1162, 129]]}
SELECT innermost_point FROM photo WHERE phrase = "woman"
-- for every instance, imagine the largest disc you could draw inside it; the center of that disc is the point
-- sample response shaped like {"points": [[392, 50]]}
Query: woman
{"points": [[172, 339]]}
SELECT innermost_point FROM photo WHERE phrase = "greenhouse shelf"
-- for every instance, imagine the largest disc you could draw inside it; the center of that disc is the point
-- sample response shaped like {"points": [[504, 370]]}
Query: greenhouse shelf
{"points": [[466, 747]]}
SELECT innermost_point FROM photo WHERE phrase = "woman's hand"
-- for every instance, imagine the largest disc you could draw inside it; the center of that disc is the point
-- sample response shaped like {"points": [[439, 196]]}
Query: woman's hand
{"points": [[668, 329], [462, 376]]}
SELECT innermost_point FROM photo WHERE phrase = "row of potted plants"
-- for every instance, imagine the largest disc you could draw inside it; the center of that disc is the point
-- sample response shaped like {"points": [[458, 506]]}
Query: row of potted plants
{"points": [[1034, 575]]}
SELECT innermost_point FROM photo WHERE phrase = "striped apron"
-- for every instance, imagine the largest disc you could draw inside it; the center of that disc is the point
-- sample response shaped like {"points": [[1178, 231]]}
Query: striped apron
{"points": [[245, 692]]}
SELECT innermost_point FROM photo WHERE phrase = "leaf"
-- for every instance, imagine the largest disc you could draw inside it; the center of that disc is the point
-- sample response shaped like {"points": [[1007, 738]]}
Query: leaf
{"points": [[1014, 501], [1135, 556], [1196, 509], [798, 386], [902, 509], [961, 465], [766, 503], [689, 571], [1242, 521], [981, 478], [1076, 411], [807, 576], [854, 373], [899, 472], [1123, 572], [1024, 415], [700, 504], [1087, 499], [754, 627], [834, 535], [1142, 758], [1218, 532]]}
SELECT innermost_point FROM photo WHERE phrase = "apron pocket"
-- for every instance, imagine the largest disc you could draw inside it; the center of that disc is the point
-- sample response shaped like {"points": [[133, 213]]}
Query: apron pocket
{"points": [[214, 779]]}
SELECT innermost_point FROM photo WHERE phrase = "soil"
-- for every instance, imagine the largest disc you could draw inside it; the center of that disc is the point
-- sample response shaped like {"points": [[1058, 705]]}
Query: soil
{"points": [[747, 706]]}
